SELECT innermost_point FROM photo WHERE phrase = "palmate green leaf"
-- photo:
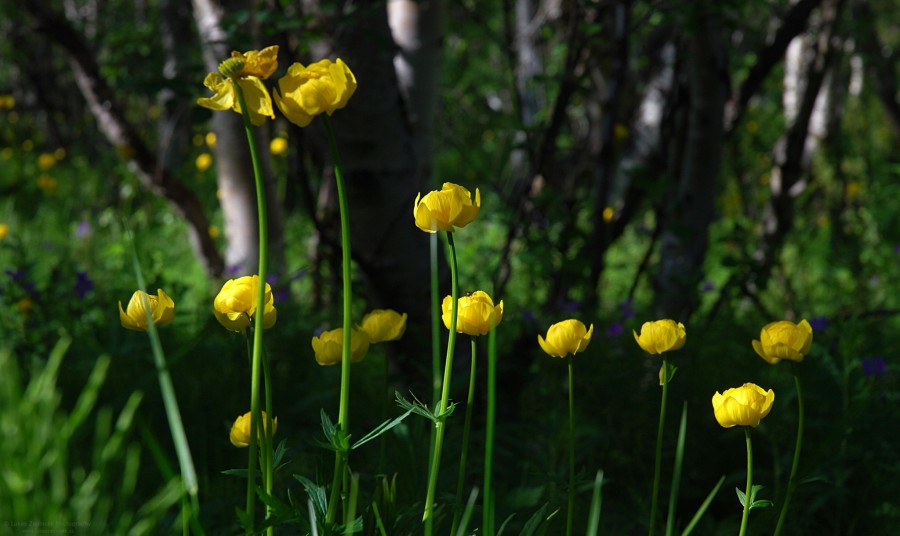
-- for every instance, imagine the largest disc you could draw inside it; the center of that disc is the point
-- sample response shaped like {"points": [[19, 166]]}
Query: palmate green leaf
{"points": [[380, 429], [335, 438], [316, 494]]}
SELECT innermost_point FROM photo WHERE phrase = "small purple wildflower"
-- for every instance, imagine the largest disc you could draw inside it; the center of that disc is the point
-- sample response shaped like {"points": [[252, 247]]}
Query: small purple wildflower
{"points": [[627, 310], [615, 329], [708, 286], [83, 284], [529, 316], [569, 305], [818, 323], [874, 366], [84, 229]]}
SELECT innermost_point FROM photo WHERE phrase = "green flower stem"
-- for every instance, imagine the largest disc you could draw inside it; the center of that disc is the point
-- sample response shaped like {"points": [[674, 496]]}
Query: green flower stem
{"points": [[440, 420], [659, 440], [170, 401], [435, 321], [570, 509], [792, 478], [268, 435], [487, 526], [341, 458], [467, 424], [260, 301], [747, 494]]}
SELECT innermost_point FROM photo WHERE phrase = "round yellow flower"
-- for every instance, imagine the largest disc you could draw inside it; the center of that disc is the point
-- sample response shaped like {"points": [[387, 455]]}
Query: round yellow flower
{"points": [[4, 230], [784, 340], [383, 325], [477, 313], [447, 208], [235, 305], [329, 344], [162, 310], [240, 430], [278, 146], [203, 162], [661, 336], [305, 92], [46, 161], [742, 406], [566, 337]]}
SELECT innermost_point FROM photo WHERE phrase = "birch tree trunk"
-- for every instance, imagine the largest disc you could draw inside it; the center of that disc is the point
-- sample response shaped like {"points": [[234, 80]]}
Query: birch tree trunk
{"points": [[236, 188]]}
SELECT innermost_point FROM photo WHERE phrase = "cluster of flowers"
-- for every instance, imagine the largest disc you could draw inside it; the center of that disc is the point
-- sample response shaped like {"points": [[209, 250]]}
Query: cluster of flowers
{"points": [[303, 92]]}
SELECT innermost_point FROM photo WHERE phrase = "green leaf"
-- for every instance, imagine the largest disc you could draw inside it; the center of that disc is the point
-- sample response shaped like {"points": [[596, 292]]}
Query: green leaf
{"points": [[380, 429], [742, 497]]}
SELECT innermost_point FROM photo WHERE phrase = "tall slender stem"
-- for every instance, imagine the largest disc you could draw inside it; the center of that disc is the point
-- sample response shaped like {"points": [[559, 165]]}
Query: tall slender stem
{"points": [[659, 440], [487, 526], [461, 479], [796, 461], [748, 493], [344, 410], [570, 509], [435, 321], [441, 417], [260, 300], [268, 434]]}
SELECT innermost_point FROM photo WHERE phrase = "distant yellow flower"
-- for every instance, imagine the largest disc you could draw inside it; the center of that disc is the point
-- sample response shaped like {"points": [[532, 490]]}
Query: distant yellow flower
{"points": [[446, 209], [4, 230], [46, 183], [24, 305], [203, 162], [329, 345], [7, 153], [305, 92], [784, 340], [240, 430], [477, 313], [210, 139], [853, 189], [247, 70], [27, 145], [566, 337], [608, 214], [7, 102], [46, 161], [235, 305], [278, 146], [59, 153], [661, 336], [162, 310], [746, 405], [383, 325], [213, 231]]}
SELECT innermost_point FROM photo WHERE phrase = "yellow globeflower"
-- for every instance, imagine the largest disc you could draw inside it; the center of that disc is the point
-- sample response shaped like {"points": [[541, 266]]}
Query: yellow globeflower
{"points": [[383, 325], [784, 340], [203, 162], [4, 230], [162, 310], [46, 161], [305, 92], [278, 146], [477, 313], [235, 305], [46, 183], [248, 70], [329, 345], [742, 406], [240, 430], [447, 208], [566, 337], [661, 336]]}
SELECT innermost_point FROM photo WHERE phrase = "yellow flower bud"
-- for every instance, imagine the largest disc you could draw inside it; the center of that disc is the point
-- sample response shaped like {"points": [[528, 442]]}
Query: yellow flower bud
{"points": [[742, 406], [477, 313], [278, 146], [329, 345], [383, 325], [235, 305], [784, 340], [162, 310], [240, 430], [46, 161], [566, 337], [305, 92], [4, 230], [447, 208], [661, 336]]}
